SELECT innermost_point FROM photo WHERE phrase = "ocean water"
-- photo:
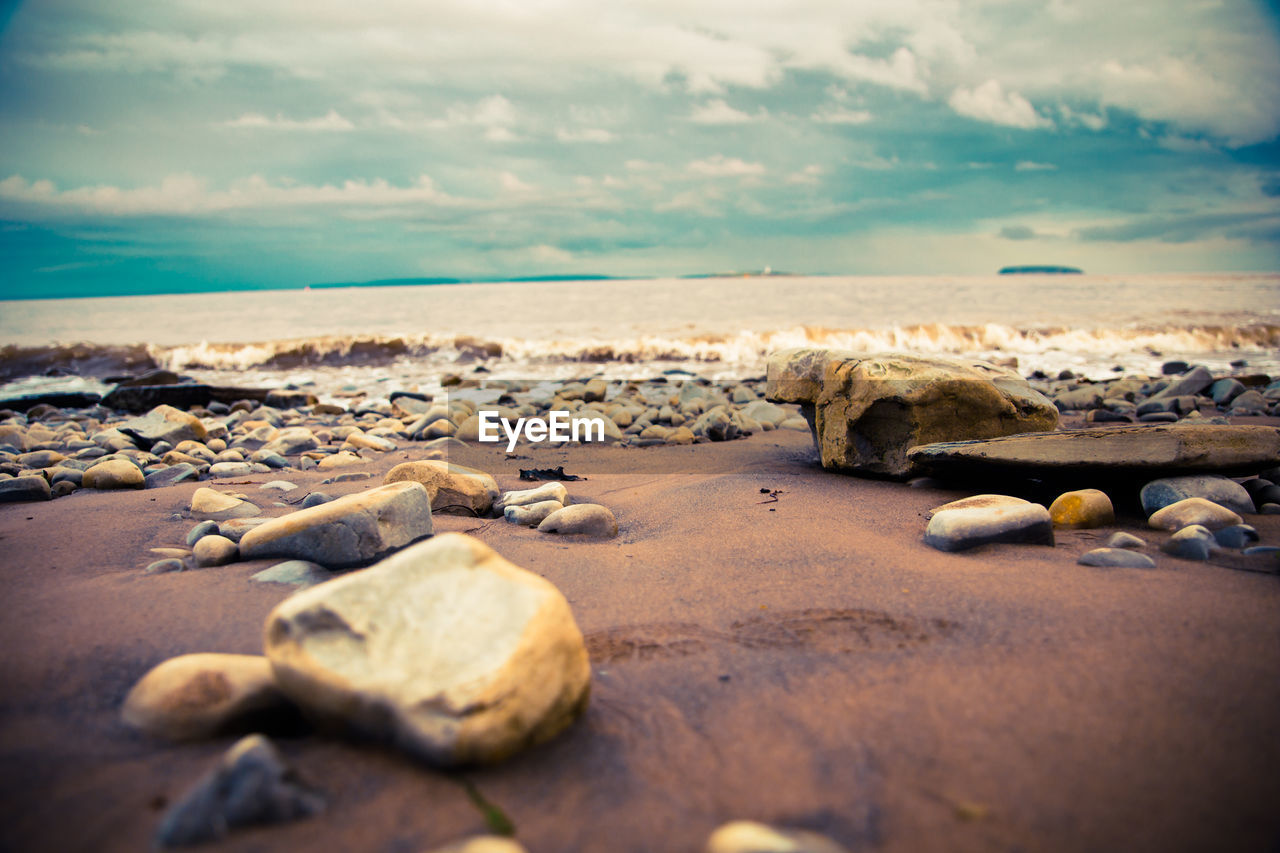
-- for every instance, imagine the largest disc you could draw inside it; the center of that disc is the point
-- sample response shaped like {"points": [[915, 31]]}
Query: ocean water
{"points": [[384, 338]]}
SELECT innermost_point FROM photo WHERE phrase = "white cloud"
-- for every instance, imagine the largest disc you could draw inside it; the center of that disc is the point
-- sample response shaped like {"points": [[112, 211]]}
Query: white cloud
{"points": [[809, 175], [329, 121], [899, 71], [512, 184], [584, 134], [719, 112], [836, 114], [1033, 166], [989, 102], [720, 166]]}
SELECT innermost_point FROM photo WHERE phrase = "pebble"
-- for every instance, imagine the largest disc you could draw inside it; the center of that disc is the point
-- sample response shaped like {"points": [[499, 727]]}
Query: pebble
{"points": [[744, 836], [29, 488], [454, 489], [114, 474], [200, 695], [164, 423], [581, 519], [552, 491], [414, 650], [1086, 508], [211, 504], [214, 550], [981, 502], [959, 529], [532, 514], [277, 486], [301, 573], [1193, 542], [1192, 511], [250, 786], [483, 844], [1119, 558], [1120, 539], [1236, 536], [342, 459], [200, 530], [170, 475], [315, 499], [1159, 494], [160, 567], [41, 459], [230, 469], [235, 528]]}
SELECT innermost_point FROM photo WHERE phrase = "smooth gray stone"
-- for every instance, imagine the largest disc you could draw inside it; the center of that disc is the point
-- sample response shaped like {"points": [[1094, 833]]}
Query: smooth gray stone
{"points": [[1236, 536], [960, 529], [1261, 549], [271, 460], [315, 499], [1225, 390], [1116, 558], [1120, 539], [1191, 543], [180, 472], [200, 531], [1159, 494], [33, 488], [160, 567], [300, 573], [250, 786], [1158, 418], [1192, 382]]}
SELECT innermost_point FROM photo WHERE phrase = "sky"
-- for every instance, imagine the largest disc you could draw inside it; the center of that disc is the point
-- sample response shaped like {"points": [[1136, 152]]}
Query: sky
{"points": [[187, 145]]}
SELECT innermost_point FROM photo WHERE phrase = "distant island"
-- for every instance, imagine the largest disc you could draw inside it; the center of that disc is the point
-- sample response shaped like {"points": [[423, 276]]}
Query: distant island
{"points": [[1041, 269], [767, 272]]}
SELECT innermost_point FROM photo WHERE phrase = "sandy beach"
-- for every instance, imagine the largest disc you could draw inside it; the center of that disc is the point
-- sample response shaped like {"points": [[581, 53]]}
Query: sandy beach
{"points": [[805, 661]]}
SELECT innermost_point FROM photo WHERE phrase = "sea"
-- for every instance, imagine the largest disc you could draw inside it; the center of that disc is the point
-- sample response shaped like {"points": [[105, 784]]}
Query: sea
{"points": [[380, 339]]}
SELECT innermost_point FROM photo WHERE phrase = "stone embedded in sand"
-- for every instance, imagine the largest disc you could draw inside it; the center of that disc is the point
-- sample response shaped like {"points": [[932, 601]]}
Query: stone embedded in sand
{"points": [[365, 441], [291, 441], [1193, 542], [1084, 508], [29, 488], [214, 550], [171, 475], [1236, 536], [1129, 450], [483, 844], [959, 529], [114, 474], [531, 514], [868, 411], [1120, 539], [215, 506], [745, 836], [552, 491], [219, 470], [1116, 558], [981, 501], [341, 459], [581, 519], [163, 567], [200, 695], [346, 532], [204, 528], [1159, 494], [1188, 511], [444, 649], [294, 573], [235, 528], [454, 489], [250, 786], [164, 423]]}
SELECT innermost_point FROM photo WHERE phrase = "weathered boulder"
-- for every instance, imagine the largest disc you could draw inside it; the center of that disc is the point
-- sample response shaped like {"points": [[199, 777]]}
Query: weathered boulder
{"points": [[868, 411], [346, 532], [1126, 450], [454, 489], [444, 649], [250, 786], [200, 695]]}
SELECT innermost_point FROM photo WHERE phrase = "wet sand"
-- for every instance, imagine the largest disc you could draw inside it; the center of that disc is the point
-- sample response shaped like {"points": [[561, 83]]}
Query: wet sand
{"points": [[807, 662]]}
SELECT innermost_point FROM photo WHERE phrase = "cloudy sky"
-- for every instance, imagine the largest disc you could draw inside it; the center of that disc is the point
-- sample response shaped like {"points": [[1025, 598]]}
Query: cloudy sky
{"points": [[188, 144]]}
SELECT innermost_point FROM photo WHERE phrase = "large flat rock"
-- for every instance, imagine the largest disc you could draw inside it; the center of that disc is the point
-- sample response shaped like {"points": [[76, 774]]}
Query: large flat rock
{"points": [[1154, 449]]}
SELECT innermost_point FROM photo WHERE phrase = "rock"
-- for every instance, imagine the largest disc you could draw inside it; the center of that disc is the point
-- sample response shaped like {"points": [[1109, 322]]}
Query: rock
{"points": [[277, 486], [201, 695], [1116, 558], [250, 786], [445, 649], [346, 532], [1192, 382], [315, 499], [868, 411], [960, 529], [214, 550], [483, 844], [342, 459], [114, 474], [29, 488], [1250, 402], [1223, 391], [1084, 508], [164, 423], [744, 836], [533, 514], [364, 441], [219, 470], [978, 501], [584, 519], [199, 531], [765, 412], [1192, 511], [163, 567], [41, 459], [291, 441], [1193, 542], [1159, 494], [284, 398], [454, 489], [235, 528], [210, 504], [1124, 450], [171, 475], [1236, 536], [294, 573], [552, 491], [1120, 539]]}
